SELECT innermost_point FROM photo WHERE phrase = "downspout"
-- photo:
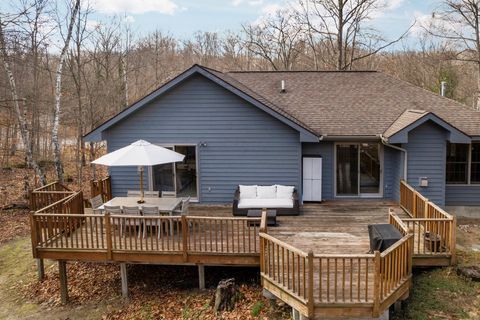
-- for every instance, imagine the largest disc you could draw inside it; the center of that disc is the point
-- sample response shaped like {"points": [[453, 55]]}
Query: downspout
{"points": [[405, 157]]}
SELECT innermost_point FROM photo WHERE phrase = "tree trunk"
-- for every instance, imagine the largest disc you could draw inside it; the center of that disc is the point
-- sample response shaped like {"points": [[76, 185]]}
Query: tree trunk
{"points": [[19, 112], [58, 94], [340, 63], [226, 295]]}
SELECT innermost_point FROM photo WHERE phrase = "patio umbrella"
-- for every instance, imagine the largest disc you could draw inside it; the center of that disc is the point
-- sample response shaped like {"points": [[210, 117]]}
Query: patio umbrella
{"points": [[140, 153]]}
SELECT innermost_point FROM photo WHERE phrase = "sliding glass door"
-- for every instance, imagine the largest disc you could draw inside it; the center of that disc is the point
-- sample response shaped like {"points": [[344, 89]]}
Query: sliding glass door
{"points": [[358, 169], [347, 170], [180, 177]]}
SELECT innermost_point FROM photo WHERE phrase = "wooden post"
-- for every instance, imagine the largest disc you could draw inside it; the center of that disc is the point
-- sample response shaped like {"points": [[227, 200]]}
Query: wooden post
{"points": [[33, 234], [40, 270], [453, 241], [124, 279], [262, 257], [62, 270], [425, 210], [376, 286], [201, 277], [411, 245], [295, 314], [108, 235], [263, 222], [310, 301], [184, 238], [414, 206]]}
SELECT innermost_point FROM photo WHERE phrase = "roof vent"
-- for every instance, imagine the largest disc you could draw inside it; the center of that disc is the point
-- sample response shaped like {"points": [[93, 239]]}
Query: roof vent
{"points": [[283, 87], [443, 87]]}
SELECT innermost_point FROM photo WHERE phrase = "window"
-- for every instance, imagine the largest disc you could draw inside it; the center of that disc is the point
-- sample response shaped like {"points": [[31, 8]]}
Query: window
{"points": [[457, 163], [475, 166]]}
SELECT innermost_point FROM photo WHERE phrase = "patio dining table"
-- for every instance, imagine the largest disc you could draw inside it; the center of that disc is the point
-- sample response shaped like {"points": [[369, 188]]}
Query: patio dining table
{"points": [[163, 204]]}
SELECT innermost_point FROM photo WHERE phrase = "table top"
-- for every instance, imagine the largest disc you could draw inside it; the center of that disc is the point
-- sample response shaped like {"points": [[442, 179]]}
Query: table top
{"points": [[163, 204]]}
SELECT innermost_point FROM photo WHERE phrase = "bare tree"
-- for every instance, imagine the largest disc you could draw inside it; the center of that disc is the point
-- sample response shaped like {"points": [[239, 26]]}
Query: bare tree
{"points": [[76, 65], [19, 111], [58, 91], [276, 39], [457, 22], [337, 32]]}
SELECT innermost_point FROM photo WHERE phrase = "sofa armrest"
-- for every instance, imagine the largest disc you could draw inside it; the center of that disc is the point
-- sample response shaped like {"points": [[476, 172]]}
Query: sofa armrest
{"points": [[296, 202], [236, 198], [295, 195], [236, 195]]}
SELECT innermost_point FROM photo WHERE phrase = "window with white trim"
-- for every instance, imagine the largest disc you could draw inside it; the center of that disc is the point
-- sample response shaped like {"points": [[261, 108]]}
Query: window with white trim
{"points": [[475, 166], [463, 163]]}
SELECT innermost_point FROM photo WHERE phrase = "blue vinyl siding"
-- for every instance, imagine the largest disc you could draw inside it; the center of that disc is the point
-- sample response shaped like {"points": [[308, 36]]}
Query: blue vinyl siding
{"points": [[244, 145], [392, 172], [324, 150], [426, 158], [462, 195]]}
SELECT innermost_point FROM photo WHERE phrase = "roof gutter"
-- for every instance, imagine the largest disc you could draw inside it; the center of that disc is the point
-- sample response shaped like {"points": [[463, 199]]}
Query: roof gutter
{"points": [[405, 157], [349, 138]]}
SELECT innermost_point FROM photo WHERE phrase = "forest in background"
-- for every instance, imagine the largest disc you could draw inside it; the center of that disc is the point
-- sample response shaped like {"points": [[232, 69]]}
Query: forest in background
{"points": [[61, 76]]}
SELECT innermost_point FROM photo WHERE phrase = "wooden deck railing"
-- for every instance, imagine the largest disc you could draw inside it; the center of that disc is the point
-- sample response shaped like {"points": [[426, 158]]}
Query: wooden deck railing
{"points": [[71, 202], [309, 281], [396, 262], [102, 187], [183, 235], [286, 266], [48, 194], [433, 229], [208, 234]]}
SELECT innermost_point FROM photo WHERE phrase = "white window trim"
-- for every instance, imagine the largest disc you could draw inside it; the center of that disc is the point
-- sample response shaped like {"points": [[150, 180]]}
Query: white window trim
{"points": [[469, 171]]}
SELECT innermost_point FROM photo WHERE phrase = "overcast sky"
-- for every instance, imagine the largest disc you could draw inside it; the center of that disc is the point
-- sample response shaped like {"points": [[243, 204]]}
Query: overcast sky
{"points": [[183, 17]]}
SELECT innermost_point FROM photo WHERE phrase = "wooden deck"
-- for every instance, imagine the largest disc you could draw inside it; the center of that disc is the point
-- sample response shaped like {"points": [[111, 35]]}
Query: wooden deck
{"points": [[333, 227], [317, 262]]}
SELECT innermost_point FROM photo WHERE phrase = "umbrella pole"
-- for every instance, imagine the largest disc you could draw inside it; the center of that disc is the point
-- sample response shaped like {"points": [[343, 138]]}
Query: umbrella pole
{"points": [[141, 186]]}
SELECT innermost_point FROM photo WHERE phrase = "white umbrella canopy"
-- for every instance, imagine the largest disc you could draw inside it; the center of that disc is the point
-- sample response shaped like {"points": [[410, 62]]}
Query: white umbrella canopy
{"points": [[140, 153]]}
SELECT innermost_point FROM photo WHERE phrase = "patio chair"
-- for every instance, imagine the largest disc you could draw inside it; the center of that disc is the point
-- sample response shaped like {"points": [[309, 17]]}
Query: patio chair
{"points": [[151, 194], [133, 193], [132, 211], [152, 212], [96, 202], [113, 209], [169, 194], [183, 207]]}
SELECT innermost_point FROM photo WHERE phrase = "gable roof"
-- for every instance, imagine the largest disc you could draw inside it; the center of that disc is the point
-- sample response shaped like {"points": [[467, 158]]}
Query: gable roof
{"points": [[411, 119], [306, 133], [328, 103]]}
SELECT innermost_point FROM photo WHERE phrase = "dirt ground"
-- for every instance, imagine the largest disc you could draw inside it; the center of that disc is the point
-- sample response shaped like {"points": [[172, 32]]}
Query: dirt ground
{"points": [[157, 292]]}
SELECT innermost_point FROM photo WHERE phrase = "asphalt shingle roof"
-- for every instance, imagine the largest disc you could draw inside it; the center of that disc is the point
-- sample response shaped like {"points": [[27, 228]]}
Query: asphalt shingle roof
{"points": [[349, 103]]}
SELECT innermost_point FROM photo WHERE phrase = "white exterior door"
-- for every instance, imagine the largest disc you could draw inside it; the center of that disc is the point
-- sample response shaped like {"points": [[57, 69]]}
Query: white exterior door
{"points": [[312, 179]]}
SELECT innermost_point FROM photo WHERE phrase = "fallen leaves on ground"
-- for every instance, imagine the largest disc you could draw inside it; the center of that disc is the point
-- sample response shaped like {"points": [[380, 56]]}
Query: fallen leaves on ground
{"points": [[156, 292], [13, 223]]}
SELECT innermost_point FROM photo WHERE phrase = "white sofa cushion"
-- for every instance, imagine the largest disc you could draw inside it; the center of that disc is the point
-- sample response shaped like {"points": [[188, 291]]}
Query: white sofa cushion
{"points": [[265, 203], [285, 192], [248, 192], [266, 192]]}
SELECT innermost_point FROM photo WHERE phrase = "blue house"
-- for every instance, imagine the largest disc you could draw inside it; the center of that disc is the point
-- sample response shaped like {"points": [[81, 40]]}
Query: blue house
{"points": [[369, 130]]}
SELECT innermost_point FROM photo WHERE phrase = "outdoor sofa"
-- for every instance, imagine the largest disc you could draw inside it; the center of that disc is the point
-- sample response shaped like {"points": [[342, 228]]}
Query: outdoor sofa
{"points": [[283, 199]]}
